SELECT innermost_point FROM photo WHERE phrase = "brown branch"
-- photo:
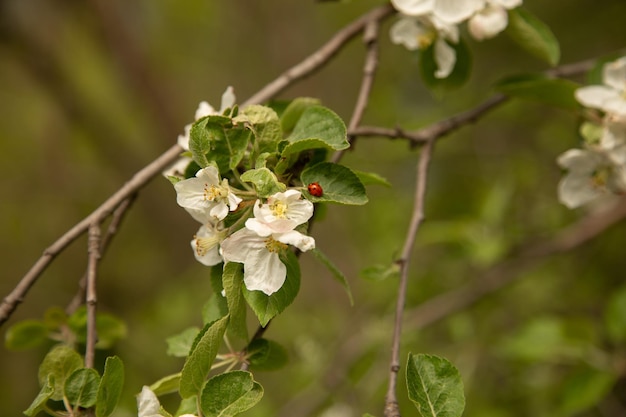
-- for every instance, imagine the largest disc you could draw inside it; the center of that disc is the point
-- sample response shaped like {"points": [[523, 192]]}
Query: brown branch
{"points": [[320, 57], [510, 269], [391, 402], [92, 295]]}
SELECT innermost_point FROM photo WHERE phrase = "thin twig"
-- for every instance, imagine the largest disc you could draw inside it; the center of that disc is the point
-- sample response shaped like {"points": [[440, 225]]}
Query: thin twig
{"points": [[391, 402], [509, 270], [138, 181], [92, 295], [116, 219], [320, 57], [370, 39]]}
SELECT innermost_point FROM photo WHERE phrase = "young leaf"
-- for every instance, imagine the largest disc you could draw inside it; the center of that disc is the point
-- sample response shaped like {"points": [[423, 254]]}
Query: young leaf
{"points": [[551, 91], [215, 308], [229, 394], [267, 306], [166, 385], [457, 78], [198, 363], [59, 363], [533, 35], [264, 181], [26, 334], [318, 127], [266, 127], [371, 178], [110, 388], [266, 355], [180, 345], [339, 184], [336, 273], [233, 281], [81, 387], [44, 395], [381, 272], [294, 110], [435, 386]]}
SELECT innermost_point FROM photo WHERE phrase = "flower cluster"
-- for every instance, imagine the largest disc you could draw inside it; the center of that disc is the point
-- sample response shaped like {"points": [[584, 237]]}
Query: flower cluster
{"points": [[600, 168], [436, 22]]}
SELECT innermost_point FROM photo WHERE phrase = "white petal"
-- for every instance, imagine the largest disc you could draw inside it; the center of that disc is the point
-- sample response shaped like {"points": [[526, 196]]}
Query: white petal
{"points": [[614, 74], [233, 201], [596, 96], [413, 7], [219, 211], [204, 109], [456, 11], [260, 228], [183, 140], [575, 190], [445, 57], [148, 403], [205, 245], [579, 160], [177, 169], [488, 23], [236, 247], [228, 99], [508, 4], [264, 271], [407, 32], [297, 239]]}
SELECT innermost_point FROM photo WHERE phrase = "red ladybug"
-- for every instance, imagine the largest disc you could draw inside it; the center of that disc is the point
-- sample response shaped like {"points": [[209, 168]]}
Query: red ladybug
{"points": [[315, 189]]}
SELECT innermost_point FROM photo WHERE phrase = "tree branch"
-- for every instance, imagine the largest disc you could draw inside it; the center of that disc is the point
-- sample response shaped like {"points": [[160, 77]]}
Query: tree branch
{"points": [[92, 295]]}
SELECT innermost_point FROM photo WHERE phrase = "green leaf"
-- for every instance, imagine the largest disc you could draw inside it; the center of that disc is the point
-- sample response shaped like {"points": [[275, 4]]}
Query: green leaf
{"points": [[108, 327], [229, 394], [266, 127], [44, 395], [435, 386], [615, 316], [457, 78], [188, 406], [179, 345], [110, 388], [233, 281], [266, 355], [215, 308], [54, 317], [214, 139], [556, 92], [26, 334], [335, 272], [533, 35], [81, 387], [166, 385], [264, 181], [59, 363], [585, 389], [318, 127], [339, 184], [267, 306], [202, 135], [381, 272], [292, 113], [371, 178], [198, 363]]}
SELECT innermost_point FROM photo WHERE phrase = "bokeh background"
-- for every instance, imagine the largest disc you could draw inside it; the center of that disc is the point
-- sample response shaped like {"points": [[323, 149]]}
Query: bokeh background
{"points": [[92, 91]]}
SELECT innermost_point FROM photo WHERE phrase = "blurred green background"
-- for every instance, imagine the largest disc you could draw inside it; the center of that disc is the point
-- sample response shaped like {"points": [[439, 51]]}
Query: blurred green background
{"points": [[90, 92]]}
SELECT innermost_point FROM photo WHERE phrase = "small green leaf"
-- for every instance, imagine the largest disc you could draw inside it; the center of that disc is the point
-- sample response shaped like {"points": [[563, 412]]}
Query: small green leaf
{"points": [[229, 394], [110, 388], [267, 306], [556, 92], [166, 385], [292, 113], [585, 389], [339, 184], [371, 178], [26, 334], [108, 327], [615, 316], [266, 355], [59, 363], [318, 127], [198, 363], [215, 308], [435, 386], [179, 345], [381, 272], [264, 181], [265, 126], [214, 139], [457, 78], [233, 281], [44, 395], [533, 35], [81, 387], [335, 272], [54, 317], [187, 406]]}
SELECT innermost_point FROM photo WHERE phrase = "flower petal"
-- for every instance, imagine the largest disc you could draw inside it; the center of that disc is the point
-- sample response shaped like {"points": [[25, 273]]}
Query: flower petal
{"points": [[595, 96], [264, 271], [407, 32], [228, 99], [297, 239], [614, 74], [413, 7], [148, 403], [445, 57], [456, 11], [488, 22]]}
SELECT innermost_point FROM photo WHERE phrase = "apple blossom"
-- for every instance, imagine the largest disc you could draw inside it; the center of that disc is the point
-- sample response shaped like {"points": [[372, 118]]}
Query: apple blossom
{"points": [[262, 268], [205, 192], [610, 97], [205, 244], [282, 213], [149, 406]]}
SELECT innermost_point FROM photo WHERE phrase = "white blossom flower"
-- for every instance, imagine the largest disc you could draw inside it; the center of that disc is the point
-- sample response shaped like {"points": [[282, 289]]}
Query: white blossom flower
{"points": [[610, 97], [491, 19], [591, 173], [263, 269], [205, 192], [448, 11], [204, 109], [282, 213], [205, 244], [420, 32], [149, 406]]}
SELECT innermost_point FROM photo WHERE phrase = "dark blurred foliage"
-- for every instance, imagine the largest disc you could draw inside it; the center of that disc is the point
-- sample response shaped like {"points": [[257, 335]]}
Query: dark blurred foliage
{"points": [[92, 91]]}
